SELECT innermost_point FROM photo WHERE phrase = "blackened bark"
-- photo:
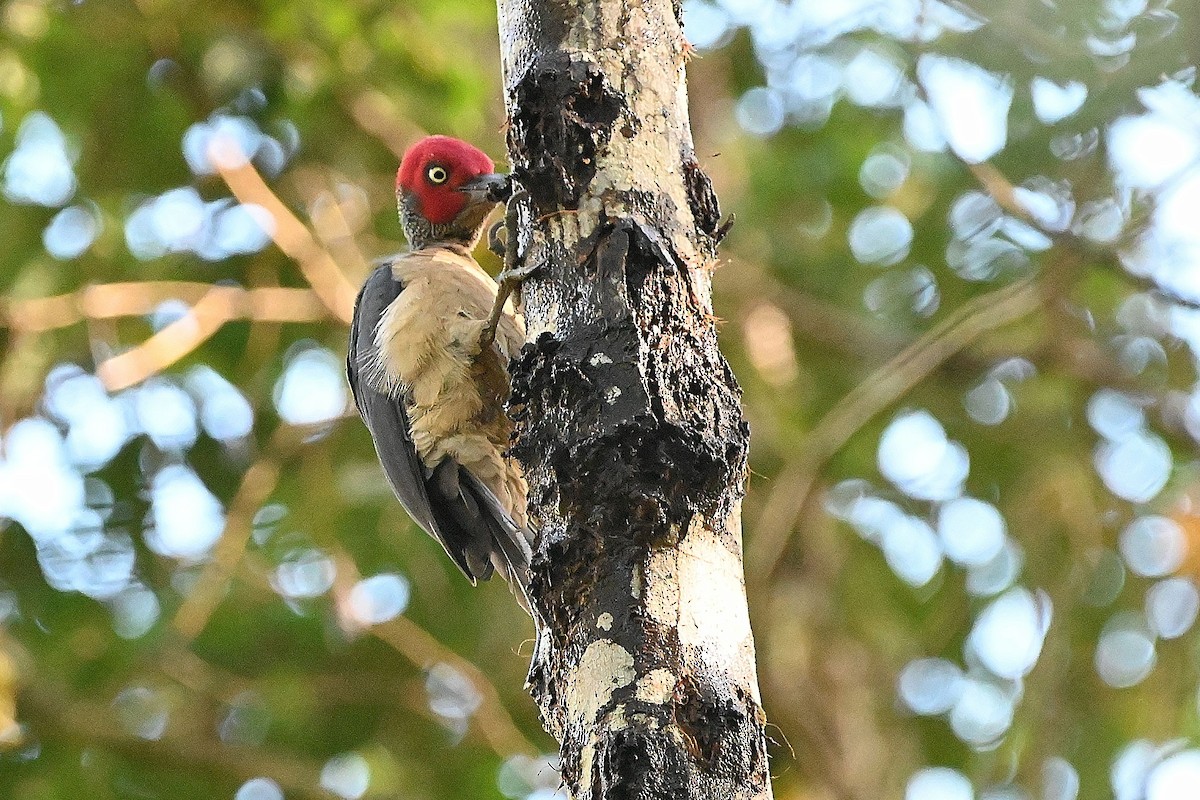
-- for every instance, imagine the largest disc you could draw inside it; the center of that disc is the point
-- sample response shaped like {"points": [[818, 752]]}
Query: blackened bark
{"points": [[630, 422]]}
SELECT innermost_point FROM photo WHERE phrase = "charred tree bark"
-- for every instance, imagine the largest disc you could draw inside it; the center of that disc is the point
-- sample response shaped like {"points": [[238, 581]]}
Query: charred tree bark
{"points": [[629, 419]]}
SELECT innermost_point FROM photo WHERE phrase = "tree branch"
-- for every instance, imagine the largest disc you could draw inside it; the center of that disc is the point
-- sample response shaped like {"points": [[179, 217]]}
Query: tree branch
{"points": [[48, 708], [871, 396], [259, 481], [292, 237], [135, 299]]}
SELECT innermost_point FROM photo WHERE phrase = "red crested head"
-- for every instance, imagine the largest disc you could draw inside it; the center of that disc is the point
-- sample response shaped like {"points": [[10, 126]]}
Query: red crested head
{"points": [[433, 173]]}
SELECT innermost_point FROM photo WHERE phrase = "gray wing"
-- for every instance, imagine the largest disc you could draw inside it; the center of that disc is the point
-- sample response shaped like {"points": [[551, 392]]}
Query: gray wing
{"points": [[448, 502]]}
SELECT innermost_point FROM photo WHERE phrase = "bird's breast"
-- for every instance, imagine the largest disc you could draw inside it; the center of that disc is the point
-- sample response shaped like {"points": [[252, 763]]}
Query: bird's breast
{"points": [[428, 342]]}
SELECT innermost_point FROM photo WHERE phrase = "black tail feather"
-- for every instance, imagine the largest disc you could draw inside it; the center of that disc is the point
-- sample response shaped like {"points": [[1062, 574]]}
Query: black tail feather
{"points": [[479, 532], [509, 542]]}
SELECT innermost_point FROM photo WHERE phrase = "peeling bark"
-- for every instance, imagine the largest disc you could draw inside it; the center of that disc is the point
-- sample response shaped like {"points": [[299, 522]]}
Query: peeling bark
{"points": [[629, 420]]}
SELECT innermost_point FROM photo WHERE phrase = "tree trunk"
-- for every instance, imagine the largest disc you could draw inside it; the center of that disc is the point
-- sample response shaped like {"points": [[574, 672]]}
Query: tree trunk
{"points": [[630, 422]]}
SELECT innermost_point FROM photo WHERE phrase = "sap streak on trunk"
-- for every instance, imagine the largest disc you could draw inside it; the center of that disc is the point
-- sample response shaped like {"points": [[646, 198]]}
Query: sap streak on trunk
{"points": [[629, 419]]}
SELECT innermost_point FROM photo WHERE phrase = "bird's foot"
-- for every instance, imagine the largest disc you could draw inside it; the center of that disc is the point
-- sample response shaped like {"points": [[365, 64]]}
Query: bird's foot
{"points": [[514, 277], [514, 273]]}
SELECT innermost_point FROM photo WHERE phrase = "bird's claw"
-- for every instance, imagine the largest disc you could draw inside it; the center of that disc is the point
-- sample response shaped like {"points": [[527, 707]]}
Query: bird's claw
{"points": [[495, 243], [516, 275]]}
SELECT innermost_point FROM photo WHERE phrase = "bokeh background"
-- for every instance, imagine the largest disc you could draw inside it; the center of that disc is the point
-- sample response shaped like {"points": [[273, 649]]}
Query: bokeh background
{"points": [[961, 296]]}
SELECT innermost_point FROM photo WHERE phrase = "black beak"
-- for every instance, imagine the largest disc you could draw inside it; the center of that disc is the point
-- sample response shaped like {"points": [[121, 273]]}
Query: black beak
{"points": [[494, 188]]}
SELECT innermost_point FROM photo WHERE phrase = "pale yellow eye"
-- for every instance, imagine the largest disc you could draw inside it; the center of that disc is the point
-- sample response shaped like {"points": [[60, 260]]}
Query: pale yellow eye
{"points": [[437, 174]]}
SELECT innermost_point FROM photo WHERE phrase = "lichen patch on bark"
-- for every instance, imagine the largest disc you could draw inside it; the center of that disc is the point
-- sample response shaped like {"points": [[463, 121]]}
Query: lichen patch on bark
{"points": [[604, 667], [656, 687], [713, 613]]}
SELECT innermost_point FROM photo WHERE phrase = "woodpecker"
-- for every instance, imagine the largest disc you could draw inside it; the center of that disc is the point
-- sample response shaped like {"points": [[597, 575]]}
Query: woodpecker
{"points": [[428, 383]]}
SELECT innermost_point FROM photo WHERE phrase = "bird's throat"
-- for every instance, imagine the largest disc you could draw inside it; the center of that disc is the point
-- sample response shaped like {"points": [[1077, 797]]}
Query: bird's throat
{"points": [[464, 230]]}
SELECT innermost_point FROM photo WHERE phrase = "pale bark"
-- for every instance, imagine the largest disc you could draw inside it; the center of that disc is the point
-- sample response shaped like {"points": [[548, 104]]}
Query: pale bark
{"points": [[629, 420]]}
